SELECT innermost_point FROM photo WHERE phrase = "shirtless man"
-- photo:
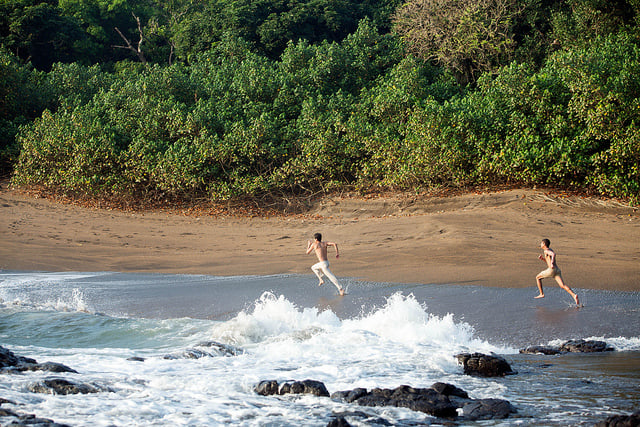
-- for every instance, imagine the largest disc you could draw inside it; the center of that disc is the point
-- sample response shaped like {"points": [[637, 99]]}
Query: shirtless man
{"points": [[322, 267], [549, 256]]}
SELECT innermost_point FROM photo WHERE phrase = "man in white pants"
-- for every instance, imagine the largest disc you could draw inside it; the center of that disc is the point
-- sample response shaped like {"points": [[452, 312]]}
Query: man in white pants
{"points": [[322, 267]]}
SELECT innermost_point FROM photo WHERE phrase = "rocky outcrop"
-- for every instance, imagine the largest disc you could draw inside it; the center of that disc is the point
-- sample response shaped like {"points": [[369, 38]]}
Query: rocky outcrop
{"points": [[632, 420], [12, 418], [207, 349], [9, 362], [440, 400], [487, 409], [582, 346], [268, 388], [484, 365], [338, 422], [62, 386], [571, 346], [540, 349], [425, 400]]}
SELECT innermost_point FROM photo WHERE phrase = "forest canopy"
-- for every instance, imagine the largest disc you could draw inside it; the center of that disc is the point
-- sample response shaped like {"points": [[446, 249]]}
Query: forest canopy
{"points": [[212, 100]]}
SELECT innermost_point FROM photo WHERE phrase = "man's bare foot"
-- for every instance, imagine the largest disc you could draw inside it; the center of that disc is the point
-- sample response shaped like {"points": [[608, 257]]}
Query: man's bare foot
{"points": [[341, 292], [540, 296], [321, 283]]}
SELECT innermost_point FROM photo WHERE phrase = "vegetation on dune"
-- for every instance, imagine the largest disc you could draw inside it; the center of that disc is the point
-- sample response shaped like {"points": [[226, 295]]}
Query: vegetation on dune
{"points": [[191, 100]]}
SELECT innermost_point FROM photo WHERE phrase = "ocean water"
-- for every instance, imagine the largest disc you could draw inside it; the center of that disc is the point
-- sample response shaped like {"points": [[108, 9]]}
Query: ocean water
{"points": [[287, 328]]}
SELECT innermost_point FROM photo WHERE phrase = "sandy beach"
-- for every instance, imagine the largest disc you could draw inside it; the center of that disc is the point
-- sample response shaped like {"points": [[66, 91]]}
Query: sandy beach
{"points": [[489, 239]]}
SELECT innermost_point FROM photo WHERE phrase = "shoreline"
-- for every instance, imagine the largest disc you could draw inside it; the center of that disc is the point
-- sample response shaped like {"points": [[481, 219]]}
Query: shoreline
{"points": [[488, 239]]}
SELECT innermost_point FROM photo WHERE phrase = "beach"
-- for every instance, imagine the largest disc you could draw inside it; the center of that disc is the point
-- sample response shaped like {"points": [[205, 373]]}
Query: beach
{"points": [[174, 318], [482, 238]]}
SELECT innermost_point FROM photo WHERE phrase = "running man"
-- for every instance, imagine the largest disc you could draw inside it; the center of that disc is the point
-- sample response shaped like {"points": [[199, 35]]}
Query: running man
{"points": [[322, 267], [549, 256]]}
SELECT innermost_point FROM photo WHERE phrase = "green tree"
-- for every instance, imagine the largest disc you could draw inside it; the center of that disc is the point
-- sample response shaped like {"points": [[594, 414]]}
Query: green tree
{"points": [[39, 33]]}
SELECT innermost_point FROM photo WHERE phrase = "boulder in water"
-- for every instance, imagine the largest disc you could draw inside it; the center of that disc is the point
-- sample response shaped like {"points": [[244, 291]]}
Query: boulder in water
{"points": [[61, 386], [271, 387], [484, 365]]}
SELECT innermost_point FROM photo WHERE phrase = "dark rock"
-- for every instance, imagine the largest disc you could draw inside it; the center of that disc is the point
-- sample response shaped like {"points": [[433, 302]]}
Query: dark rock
{"points": [[450, 390], [425, 400], [349, 396], [582, 346], [487, 409], [540, 349], [632, 420], [9, 362], [222, 349], [61, 386], [338, 422], [268, 388], [571, 346], [316, 388], [484, 365], [208, 349], [47, 366], [12, 418], [8, 359], [7, 413], [136, 359], [190, 353]]}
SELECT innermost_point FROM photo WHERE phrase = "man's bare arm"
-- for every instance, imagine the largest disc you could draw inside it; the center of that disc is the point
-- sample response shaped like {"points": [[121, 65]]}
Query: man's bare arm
{"points": [[310, 247], [335, 245]]}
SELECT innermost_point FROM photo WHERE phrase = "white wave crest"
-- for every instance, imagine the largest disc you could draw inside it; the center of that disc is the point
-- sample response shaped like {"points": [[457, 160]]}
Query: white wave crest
{"points": [[402, 321]]}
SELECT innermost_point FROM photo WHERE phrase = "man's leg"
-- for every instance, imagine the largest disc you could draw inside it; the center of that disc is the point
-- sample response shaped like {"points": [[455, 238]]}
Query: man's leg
{"points": [[317, 269], [332, 277], [539, 283], [566, 288]]}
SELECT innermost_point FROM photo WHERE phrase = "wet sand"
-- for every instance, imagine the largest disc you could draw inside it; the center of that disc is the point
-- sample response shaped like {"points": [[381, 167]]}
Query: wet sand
{"points": [[489, 239]]}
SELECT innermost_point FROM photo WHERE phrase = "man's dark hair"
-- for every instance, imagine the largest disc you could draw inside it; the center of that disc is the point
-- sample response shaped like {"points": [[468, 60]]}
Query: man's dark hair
{"points": [[318, 237], [546, 242]]}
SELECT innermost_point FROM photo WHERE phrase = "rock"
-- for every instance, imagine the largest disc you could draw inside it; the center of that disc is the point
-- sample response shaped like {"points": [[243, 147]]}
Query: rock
{"points": [[338, 422], [316, 388], [268, 388], [210, 349], [8, 359], [487, 409], [61, 386], [136, 359], [47, 366], [540, 349], [582, 346], [190, 353], [632, 420], [484, 365], [425, 400], [222, 349], [450, 390], [571, 346], [9, 362], [30, 420], [349, 396]]}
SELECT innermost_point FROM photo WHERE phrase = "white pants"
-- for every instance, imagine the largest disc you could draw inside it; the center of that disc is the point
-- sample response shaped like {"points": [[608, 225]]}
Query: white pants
{"points": [[322, 268]]}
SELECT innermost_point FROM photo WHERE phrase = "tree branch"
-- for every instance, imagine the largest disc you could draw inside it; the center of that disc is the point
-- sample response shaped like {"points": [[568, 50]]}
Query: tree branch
{"points": [[137, 51]]}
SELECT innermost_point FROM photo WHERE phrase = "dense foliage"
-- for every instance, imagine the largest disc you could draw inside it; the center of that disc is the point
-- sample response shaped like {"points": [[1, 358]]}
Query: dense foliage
{"points": [[224, 99]]}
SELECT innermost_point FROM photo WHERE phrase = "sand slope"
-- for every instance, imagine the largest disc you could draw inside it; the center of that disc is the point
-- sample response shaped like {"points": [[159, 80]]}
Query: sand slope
{"points": [[484, 239]]}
